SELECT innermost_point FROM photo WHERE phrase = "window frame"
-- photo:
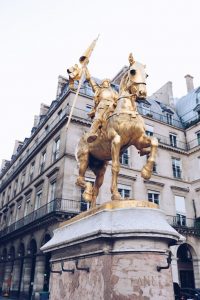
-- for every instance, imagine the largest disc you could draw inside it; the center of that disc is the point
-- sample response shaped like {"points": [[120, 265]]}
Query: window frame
{"points": [[154, 193], [124, 158], [173, 139], [176, 168]]}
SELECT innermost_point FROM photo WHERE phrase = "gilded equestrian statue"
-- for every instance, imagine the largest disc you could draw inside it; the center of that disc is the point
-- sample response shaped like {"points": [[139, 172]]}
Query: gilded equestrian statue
{"points": [[121, 128]]}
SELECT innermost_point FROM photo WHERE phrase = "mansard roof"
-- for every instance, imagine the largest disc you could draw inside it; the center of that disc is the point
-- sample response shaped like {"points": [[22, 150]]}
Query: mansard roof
{"points": [[187, 106]]}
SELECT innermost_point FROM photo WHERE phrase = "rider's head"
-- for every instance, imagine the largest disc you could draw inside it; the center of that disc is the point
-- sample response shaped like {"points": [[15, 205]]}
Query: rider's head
{"points": [[105, 83]]}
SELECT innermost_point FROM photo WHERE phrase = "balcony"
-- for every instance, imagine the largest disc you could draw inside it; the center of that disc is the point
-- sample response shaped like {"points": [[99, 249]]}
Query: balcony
{"points": [[166, 141], [184, 225], [57, 208], [160, 117]]}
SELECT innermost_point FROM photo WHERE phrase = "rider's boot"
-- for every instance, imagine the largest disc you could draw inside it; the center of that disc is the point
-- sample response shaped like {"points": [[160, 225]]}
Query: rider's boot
{"points": [[93, 131]]}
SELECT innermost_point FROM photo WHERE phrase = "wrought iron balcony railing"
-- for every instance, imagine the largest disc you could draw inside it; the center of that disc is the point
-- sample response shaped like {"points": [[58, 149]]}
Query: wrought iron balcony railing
{"points": [[166, 141], [57, 205], [184, 225]]}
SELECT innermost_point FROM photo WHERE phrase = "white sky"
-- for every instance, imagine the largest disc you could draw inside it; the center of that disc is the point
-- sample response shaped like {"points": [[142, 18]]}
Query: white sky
{"points": [[41, 38]]}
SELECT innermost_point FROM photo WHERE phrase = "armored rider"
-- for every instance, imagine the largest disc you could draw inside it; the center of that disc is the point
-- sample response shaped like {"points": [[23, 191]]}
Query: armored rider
{"points": [[105, 100]]}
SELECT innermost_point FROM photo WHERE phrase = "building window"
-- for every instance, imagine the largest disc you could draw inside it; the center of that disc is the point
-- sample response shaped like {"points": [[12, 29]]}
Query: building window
{"points": [[38, 199], [146, 109], [32, 168], [56, 148], [47, 129], [88, 108], [10, 220], [3, 198], [180, 211], [18, 212], [198, 138], [154, 196], [22, 181], [52, 191], [124, 158], [124, 190], [60, 114], [169, 119], [173, 141], [15, 188], [198, 98], [27, 206], [8, 195], [176, 167], [149, 130], [42, 161], [154, 168]]}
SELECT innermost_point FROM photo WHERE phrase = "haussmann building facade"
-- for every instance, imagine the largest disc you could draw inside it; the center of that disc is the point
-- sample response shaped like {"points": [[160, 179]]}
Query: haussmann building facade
{"points": [[38, 191]]}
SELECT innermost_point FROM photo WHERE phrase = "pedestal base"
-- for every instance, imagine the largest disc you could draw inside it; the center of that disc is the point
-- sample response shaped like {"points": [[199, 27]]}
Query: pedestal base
{"points": [[112, 253]]}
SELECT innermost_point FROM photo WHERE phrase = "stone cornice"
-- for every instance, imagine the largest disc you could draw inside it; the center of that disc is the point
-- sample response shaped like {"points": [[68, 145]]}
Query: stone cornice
{"points": [[39, 182], [53, 171], [28, 191], [178, 188], [20, 198], [128, 177], [154, 183]]}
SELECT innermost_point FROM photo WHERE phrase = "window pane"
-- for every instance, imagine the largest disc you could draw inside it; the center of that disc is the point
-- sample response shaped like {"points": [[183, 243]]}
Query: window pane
{"points": [[124, 158], [180, 204], [153, 197]]}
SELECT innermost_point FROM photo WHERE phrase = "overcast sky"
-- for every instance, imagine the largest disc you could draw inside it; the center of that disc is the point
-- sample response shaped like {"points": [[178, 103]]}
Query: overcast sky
{"points": [[41, 38]]}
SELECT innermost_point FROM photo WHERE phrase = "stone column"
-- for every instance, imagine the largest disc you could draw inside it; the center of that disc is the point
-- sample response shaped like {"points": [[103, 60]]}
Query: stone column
{"points": [[196, 269], [118, 251], [7, 278], [2, 271], [39, 275], [26, 277], [16, 277]]}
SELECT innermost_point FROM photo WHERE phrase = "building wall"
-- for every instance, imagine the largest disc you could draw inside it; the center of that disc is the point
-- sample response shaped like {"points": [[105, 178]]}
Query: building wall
{"points": [[64, 171]]}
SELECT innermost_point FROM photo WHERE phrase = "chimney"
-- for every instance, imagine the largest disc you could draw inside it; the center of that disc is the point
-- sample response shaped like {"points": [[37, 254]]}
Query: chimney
{"points": [[17, 147], [61, 83], [189, 83], [43, 109], [36, 121]]}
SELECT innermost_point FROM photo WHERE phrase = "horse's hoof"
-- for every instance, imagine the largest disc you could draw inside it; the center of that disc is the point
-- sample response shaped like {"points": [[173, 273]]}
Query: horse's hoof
{"points": [[116, 197], [146, 173]]}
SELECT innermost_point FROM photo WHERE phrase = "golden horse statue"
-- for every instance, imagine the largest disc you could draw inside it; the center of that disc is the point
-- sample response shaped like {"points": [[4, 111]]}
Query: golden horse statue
{"points": [[123, 128]]}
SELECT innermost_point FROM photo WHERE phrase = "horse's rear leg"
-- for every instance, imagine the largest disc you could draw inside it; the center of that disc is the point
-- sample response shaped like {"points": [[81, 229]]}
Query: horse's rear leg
{"points": [[145, 142], [115, 150], [100, 172]]}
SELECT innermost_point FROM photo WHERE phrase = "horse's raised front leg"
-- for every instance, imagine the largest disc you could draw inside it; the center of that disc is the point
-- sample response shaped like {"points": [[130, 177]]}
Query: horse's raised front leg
{"points": [[83, 161], [144, 142], [115, 150], [99, 172]]}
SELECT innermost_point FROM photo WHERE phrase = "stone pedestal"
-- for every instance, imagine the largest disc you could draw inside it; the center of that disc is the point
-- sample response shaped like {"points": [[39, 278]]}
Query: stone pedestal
{"points": [[122, 243]]}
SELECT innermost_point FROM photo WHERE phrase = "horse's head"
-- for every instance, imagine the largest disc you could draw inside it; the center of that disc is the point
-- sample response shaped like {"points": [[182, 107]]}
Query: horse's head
{"points": [[134, 81], [74, 74]]}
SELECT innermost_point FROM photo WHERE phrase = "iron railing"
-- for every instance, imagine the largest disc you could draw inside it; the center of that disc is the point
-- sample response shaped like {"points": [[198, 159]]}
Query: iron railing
{"points": [[184, 225], [166, 141], [160, 117], [57, 205]]}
